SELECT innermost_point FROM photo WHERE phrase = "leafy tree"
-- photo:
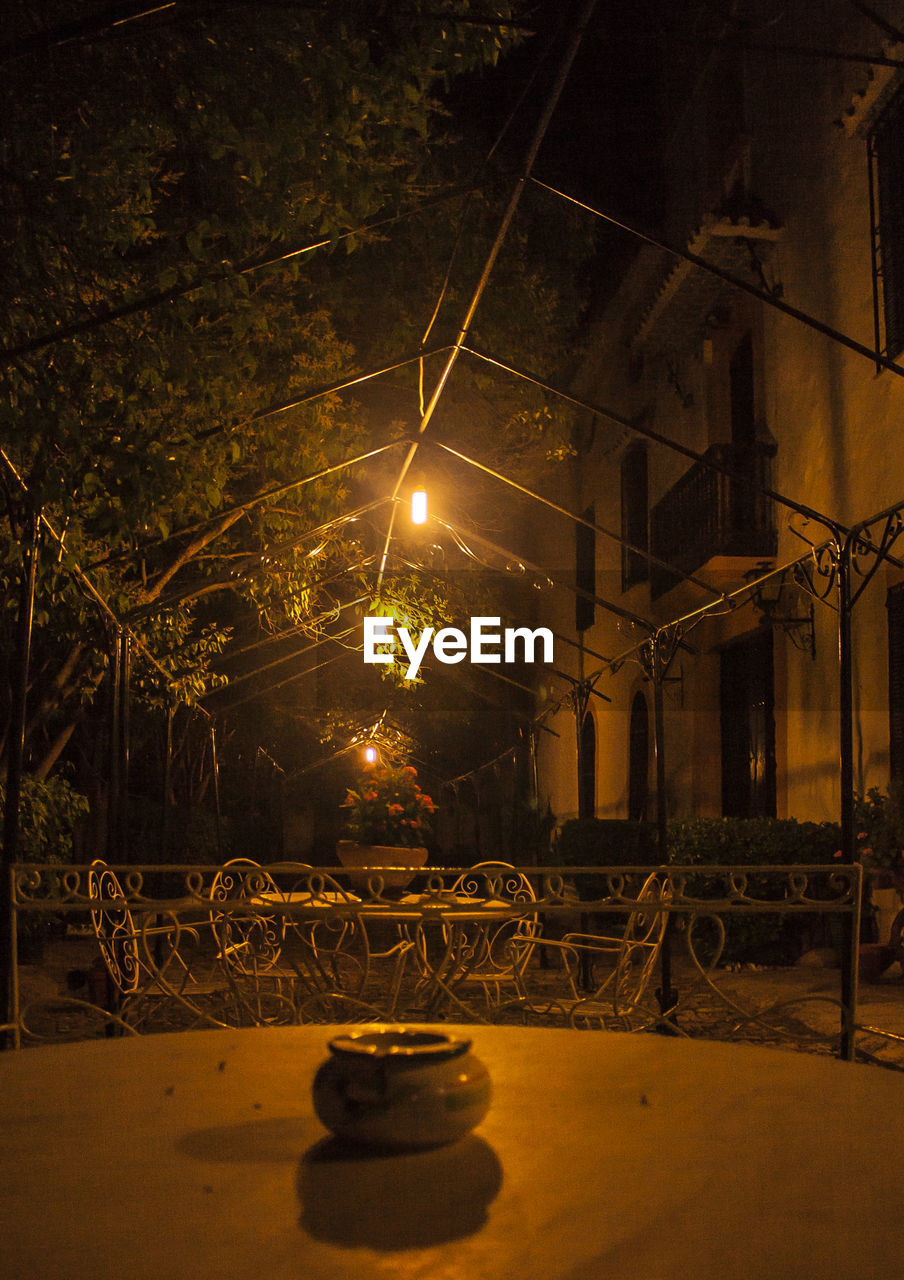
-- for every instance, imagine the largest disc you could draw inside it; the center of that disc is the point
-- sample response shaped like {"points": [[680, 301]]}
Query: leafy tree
{"points": [[170, 160], [153, 158]]}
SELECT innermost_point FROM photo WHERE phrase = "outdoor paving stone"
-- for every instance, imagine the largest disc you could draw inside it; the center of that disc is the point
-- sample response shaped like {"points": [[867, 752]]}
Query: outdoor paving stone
{"points": [[805, 991]]}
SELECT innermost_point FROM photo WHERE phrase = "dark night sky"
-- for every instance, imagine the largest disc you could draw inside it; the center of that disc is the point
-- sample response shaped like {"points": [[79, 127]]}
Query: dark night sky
{"points": [[602, 145]]}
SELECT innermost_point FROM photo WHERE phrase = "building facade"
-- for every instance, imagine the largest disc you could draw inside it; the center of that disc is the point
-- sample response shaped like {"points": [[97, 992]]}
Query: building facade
{"points": [[732, 437]]}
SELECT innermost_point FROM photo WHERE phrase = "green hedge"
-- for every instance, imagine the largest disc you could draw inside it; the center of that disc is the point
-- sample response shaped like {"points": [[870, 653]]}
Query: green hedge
{"points": [[49, 812], [737, 842], [606, 842]]}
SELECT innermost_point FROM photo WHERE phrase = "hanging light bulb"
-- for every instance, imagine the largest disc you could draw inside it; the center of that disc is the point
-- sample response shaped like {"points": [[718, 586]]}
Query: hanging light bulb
{"points": [[370, 755], [419, 506]]}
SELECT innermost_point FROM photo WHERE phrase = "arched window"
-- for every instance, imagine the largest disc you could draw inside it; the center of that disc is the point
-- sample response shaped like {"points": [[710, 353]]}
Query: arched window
{"points": [[638, 758]]}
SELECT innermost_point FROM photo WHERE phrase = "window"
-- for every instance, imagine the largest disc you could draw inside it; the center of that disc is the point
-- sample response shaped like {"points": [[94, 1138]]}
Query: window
{"points": [[895, 603], [634, 516], [585, 572], [587, 768], [886, 155]]}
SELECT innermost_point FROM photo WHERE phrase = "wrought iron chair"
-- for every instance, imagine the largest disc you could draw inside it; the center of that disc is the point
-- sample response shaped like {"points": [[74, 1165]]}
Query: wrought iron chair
{"points": [[329, 940], [292, 941], [249, 937], [487, 938], [154, 962], [617, 1000]]}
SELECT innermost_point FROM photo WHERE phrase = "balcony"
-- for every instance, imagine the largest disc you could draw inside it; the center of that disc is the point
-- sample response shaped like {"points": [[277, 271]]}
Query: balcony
{"points": [[709, 514]]}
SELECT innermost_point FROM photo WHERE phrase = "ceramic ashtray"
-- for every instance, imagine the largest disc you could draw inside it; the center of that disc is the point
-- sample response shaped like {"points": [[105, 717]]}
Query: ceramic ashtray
{"points": [[401, 1088]]}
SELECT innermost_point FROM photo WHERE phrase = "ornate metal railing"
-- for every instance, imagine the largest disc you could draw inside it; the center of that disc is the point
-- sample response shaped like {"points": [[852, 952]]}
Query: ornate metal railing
{"points": [[709, 513], [192, 946]]}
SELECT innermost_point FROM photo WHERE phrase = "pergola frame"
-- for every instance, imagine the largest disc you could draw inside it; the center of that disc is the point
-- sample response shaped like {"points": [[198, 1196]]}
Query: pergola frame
{"points": [[836, 563]]}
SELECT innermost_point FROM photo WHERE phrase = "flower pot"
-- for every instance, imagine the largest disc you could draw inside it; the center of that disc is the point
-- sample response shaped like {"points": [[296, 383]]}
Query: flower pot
{"points": [[886, 902], [874, 959], [377, 857]]}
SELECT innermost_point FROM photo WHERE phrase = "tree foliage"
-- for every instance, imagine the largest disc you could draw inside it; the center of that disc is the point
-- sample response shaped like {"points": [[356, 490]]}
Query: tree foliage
{"points": [[166, 159]]}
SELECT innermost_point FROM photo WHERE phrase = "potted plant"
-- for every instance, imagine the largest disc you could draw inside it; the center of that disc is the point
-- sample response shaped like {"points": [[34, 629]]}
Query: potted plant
{"points": [[879, 818], [388, 820]]}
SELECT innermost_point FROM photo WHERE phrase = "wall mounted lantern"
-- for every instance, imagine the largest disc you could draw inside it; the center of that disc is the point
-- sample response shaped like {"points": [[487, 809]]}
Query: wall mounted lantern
{"points": [[783, 604]]}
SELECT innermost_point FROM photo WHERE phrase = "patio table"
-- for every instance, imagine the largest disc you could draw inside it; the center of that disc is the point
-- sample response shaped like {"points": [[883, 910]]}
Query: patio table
{"points": [[450, 936], [603, 1155], [446, 933]]}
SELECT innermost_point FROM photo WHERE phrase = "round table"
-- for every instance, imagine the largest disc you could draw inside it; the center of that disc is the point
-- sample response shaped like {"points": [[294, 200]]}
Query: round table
{"points": [[197, 1154]]}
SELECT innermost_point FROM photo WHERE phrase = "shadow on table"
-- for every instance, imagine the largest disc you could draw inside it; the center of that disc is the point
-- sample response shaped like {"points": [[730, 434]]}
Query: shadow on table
{"points": [[395, 1201], [276, 1140]]}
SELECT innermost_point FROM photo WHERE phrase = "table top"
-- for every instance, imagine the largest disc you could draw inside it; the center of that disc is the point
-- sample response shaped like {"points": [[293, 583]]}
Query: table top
{"points": [[303, 898], [410, 908], [603, 1155]]}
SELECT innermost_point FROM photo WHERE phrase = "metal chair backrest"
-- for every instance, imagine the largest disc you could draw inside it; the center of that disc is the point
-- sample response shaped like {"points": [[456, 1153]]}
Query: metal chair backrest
{"points": [[114, 927], [250, 940], [495, 954], [641, 944], [495, 880]]}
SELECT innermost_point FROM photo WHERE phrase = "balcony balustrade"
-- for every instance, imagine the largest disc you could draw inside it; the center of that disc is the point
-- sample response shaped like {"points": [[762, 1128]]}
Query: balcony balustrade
{"points": [[709, 514]]}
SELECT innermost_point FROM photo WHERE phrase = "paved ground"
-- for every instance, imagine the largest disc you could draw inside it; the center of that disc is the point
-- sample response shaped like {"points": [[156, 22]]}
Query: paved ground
{"points": [[770, 1006], [810, 992]]}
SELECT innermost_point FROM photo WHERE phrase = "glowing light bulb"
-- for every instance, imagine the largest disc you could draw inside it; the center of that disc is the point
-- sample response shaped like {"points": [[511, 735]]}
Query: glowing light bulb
{"points": [[370, 754], [419, 506]]}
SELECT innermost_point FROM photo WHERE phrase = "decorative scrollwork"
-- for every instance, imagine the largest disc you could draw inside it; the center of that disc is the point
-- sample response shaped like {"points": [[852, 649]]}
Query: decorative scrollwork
{"points": [[250, 944], [114, 927], [817, 573], [868, 553]]}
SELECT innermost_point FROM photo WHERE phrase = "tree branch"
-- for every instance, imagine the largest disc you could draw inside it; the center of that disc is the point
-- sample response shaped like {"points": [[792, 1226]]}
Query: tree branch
{"points": [[188, 553]]}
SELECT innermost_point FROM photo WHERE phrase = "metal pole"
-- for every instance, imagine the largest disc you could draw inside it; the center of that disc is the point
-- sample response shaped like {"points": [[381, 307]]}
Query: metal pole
{"points": [[277, 776], [580, 710], [21, 658], [125, 674], [581, 698], [850, 924], [167, 781], [15, 757], [665, 994], [113, 829], [216, 787], [534, 790]]}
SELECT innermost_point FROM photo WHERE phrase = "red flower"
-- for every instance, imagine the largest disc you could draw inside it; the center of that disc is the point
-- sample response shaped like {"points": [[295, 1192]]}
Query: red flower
{"points": [[390, 807]]}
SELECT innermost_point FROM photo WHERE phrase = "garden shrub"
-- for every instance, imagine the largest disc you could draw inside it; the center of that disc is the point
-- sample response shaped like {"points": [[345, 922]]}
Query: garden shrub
{"points": [[736, 842], [49, 811], [755, 938]]}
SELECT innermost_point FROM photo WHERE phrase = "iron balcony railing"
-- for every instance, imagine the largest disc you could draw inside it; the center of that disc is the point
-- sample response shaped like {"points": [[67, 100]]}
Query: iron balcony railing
{"points": [[709, 513]]}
